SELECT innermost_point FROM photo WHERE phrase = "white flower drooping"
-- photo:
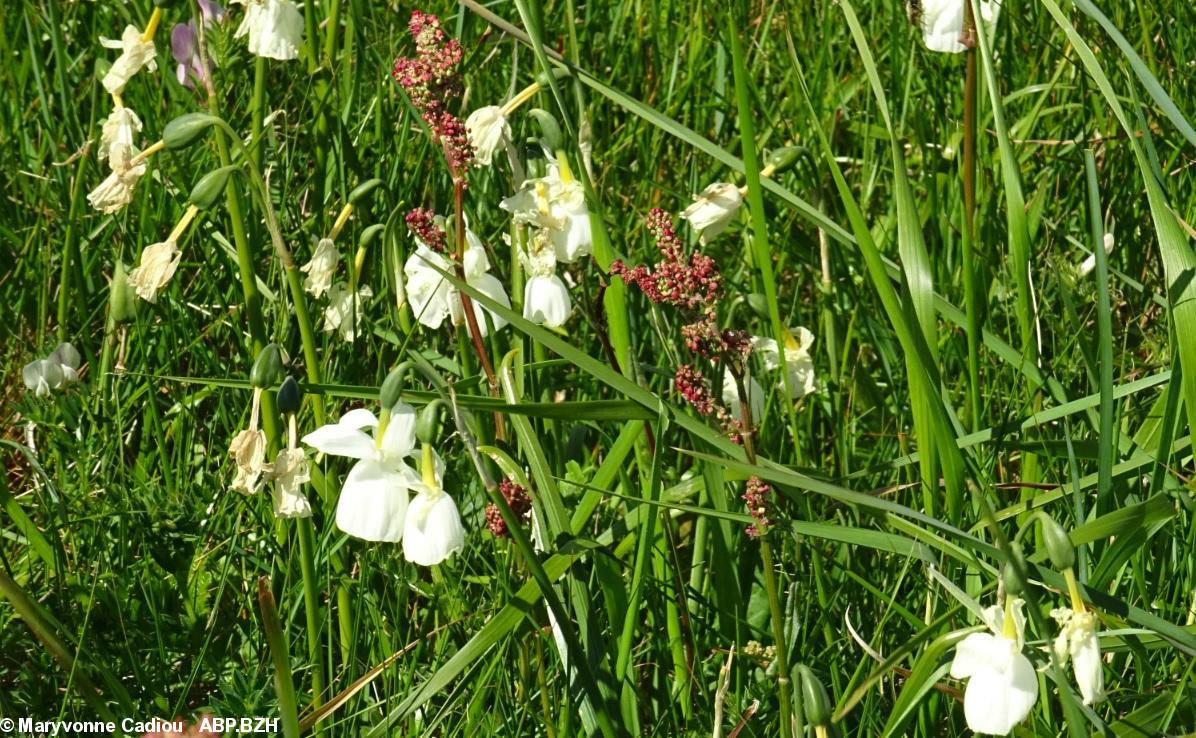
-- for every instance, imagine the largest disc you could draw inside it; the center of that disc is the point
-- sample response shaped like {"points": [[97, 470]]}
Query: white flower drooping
{"points": [[158, 264], [755, 396], [555, 203], [942, 23], [116, 191], [248, 449], [290, 472], [120, 129], [713, 210], [345, 309], [137, 51], [797, 360], [433, 298], [1002, 685], [433, 529], [274, 27], [488, 132], [1077, 641], [321, 268], [1089, 262], [57, 370], [373, 501], [545, 297]]}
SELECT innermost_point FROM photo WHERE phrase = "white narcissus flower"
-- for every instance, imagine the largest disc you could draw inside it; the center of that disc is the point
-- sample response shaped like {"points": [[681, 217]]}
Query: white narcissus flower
{"points": [[115, 192], [321, 268], [158, 264], [433, 530], [713, 210], [1002, 685], [248, 449], [797, 360], [135, 54], [942, 23], [545, 297], [289, 473], [120, 129], [433, 298], [557, 204], [1077, 640], [755, 396], [345, 309], [488, 131], [274, 27], [373, 501]]}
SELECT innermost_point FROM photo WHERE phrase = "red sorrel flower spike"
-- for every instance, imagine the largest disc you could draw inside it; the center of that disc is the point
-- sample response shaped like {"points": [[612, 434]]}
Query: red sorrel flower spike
{"points": [[422, 223], [758, 497]]}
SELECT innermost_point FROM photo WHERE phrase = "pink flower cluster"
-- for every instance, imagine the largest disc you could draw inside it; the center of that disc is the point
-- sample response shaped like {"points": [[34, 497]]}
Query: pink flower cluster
{"points": [[518, 500], [432, 81], [758, 497], [422, 223]]}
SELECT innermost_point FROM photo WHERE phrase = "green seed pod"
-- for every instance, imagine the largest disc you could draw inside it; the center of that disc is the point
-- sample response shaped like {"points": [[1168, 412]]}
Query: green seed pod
{"points": [[392, 386], [267, 368], [290, 397], [363, 189], [428, 425], [550, 130], [758, 304], [1058, 544], [121, 303], [210, 187], [187, 129], [558, 74], [814, 698], [1013, 585], [369, 234], [783, 159]]}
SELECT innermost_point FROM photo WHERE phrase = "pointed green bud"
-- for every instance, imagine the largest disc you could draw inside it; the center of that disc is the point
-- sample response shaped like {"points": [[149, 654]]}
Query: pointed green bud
{"points": [[121, 305], [290, 397], [427, 427], [758, 303], [363, 189], [187, 129], [814, 697], [267, 369], [210, 187], [783, 159], [558, 74], [369, 234], [392, 386], [550, 130], [1013, 585], [1058, 545]]}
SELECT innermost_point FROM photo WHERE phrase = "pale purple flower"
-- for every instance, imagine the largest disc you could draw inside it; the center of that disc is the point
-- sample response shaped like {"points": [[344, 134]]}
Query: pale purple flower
{"points": [[184, 44]]}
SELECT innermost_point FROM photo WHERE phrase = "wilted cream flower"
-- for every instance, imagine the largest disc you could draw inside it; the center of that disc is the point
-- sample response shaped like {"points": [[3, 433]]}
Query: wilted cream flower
{"points": [[136, 53], [119, 129], [713, 210], [488, 131], [345, 309], [158, 264], [289, 473], [274, 27], [321, 268], [248, 450], [1078, 643], [115, 192]]}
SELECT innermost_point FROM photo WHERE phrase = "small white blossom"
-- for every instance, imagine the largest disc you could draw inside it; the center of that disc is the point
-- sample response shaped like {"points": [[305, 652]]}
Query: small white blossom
{"points": [[1002, 685], [755, 396], [545, 297], [345, 309], [556, 203], [1089, 263], [488, 131], [433, 298], [798, 363], [42, 376], [115, 192], [274, 27], [713, 210], [158, 264], [942, 23], [120, 129], [1077, 641], [433, 530], [135, 54], [321, 268]]}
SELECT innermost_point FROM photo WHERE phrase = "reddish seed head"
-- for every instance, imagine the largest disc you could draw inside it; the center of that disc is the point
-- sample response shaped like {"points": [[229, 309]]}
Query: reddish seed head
{"points": [[517, 499], [758, 497], [422, 223]]}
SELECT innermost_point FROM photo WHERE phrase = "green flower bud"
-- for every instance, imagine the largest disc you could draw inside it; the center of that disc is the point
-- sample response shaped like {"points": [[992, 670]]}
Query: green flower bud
{"points": [[211, 186], [814, 697], [369, 234], [289, 396], [363, 189], [1058, 544], [267, 368], [121, 302], [427, 426], [1013, 585], [783, 159], [392, 386], [550, 130], [758, 304], [557, 74], [187, 129]]}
